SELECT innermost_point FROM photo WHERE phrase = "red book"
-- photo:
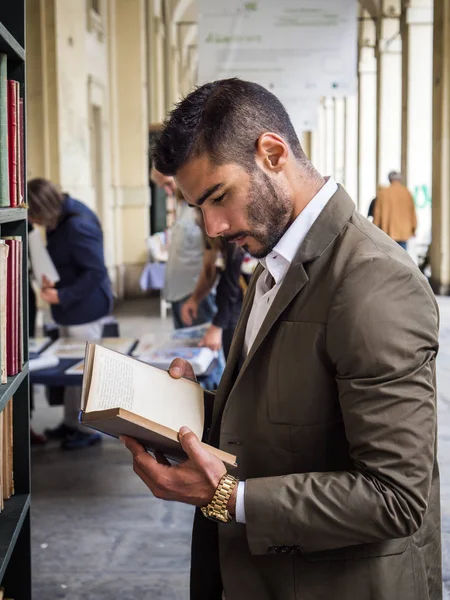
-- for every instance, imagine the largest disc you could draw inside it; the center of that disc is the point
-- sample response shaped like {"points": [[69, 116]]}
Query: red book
{"points": [[11, 310], [19, 304], [12, 140], [21, 150]]}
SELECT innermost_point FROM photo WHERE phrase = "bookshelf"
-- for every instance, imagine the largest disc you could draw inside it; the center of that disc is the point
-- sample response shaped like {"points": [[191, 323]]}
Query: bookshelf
{"points": [[15, 554]]}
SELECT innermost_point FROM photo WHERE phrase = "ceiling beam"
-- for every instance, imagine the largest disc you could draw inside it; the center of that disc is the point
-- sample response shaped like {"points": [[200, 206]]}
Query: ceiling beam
{"points": [[372, 6]]}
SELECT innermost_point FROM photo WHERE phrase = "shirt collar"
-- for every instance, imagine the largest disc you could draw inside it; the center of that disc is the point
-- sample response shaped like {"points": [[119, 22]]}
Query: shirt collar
{"points": [[281, 257]]}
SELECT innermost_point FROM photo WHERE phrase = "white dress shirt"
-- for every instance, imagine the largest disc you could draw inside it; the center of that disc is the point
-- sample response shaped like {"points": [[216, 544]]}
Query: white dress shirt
{"points": [[276, 265]]}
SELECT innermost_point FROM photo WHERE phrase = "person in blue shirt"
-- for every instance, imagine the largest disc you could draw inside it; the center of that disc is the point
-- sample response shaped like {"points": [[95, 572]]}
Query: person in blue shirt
{"points": [[83, 296]]}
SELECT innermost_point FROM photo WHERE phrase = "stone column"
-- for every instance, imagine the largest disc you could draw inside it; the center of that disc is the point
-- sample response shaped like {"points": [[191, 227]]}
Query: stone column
{"points": [[440, 247], [367, 115], [351, 147], [155, 61], [417, 34], [339, 140], [389, 89], [42, 97], [129, 143], [329, 139]]}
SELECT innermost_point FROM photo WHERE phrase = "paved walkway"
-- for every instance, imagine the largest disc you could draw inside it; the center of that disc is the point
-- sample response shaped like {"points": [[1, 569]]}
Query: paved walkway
{"points": [[98, 534]]}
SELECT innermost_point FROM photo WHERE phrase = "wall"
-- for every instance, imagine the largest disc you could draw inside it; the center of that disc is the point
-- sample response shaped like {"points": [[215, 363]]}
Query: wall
{"points": [[87, 117]]}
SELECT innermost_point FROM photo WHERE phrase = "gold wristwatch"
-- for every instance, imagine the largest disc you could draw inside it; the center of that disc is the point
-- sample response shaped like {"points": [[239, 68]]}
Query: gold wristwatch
{"points": [[217, 509]]}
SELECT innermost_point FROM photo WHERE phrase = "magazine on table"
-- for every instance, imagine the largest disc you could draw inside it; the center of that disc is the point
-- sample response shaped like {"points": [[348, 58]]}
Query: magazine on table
{"points": [[180, 343], [76, 349]]}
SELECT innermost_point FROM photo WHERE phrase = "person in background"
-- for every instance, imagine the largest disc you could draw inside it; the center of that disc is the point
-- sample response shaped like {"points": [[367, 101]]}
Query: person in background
{"points": [[184, 267], [185, 260], [229, 294], [83, 296], [394, 211]]}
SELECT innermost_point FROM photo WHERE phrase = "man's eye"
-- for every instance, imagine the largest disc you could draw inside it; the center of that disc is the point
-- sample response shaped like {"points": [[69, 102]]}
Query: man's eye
{"points": [[218, 199]]}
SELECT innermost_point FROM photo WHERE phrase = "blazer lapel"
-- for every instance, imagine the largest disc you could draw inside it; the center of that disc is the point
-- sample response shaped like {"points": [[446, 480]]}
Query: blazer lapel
{"points": [[324, 231]]}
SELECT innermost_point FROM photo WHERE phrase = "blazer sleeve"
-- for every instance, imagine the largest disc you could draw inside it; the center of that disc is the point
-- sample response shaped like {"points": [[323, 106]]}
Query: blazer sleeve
{"points": [[382, 340], [86, 253]]}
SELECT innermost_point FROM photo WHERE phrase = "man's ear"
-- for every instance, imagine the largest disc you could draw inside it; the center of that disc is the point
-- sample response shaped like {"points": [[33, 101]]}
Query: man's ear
{"points": [[271, 152]]}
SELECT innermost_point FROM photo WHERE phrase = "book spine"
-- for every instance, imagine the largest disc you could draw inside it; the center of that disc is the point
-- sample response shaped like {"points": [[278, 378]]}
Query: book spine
{"points": [[19, 305], [12, 141], [22, 149], [4, 175], [2, 458], [11, 312], [4, 250], [10, 448]]}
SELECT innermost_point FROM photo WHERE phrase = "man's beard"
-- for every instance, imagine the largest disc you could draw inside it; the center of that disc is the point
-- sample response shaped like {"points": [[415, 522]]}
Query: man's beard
{"points": [[269, 213]]}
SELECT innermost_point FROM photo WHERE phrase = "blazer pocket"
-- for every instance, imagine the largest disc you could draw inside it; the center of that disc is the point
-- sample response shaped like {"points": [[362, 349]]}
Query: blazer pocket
{"points": [[301, 384], [378, 549]]}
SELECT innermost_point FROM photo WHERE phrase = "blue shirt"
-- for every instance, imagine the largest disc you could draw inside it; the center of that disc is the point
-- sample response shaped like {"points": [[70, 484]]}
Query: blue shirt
{"points": [[76, 248]]}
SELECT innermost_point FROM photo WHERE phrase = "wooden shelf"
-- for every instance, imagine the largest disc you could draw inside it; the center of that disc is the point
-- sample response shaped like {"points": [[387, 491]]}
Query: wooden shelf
{"points": [[9, 215], [11, 520], [9, 46], [7, 390]]}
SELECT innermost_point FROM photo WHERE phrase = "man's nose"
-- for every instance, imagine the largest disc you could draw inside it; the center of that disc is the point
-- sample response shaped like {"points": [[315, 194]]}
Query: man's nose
{"points": [[215, 225]]}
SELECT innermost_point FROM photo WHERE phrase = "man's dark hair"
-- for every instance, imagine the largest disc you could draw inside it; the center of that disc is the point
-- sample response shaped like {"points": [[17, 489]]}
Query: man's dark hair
{"points": [[223, 119]]}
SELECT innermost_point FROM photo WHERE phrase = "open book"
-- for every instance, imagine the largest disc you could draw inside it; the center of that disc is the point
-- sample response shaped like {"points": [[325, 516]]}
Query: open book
{"points": [[123, 396]]}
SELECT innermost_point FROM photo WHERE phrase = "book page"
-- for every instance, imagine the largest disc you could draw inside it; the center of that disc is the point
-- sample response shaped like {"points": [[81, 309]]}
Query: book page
{"points": [[119, 381], [41, 263]]}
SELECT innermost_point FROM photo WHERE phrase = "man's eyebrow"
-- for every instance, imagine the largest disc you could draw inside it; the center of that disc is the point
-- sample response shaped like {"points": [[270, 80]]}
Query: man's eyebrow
{"points": [[208, 192]]}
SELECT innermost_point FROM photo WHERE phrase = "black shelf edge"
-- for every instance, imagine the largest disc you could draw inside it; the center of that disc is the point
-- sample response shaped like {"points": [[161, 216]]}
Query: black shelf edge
{"points": [[8, 215], [9, 45], [11, 521], [7, 390]]}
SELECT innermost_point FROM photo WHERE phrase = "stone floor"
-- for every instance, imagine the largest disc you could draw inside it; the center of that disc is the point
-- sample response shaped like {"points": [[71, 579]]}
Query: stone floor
{"points": [[98, 534]]}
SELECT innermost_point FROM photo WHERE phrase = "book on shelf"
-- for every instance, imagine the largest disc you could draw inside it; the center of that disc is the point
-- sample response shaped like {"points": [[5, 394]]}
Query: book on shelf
{"points": [[12, 140], [124, 396], [4, 251], [14, 329], [4, 177], [2, 475], [6, 451], [21, 149], [13, 149]]}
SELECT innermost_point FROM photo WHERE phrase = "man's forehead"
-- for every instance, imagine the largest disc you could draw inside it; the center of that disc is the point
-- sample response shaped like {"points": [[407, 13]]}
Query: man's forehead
{"points": [[199, 175]]}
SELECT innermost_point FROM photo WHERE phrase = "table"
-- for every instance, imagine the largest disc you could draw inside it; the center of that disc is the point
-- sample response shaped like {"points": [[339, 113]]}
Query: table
{"points": [[56, 376]]}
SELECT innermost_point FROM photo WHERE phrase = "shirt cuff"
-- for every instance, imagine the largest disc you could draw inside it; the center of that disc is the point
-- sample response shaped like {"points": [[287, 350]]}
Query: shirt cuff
{"points": [[240, 505]]}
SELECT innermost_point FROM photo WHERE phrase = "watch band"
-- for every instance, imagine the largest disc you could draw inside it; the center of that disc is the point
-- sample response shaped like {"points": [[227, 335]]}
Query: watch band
{"points": [[217, 509]]}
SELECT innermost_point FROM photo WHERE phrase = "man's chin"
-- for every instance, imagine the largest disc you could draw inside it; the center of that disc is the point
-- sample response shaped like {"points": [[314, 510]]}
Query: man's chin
{"points": [[257, 252]]}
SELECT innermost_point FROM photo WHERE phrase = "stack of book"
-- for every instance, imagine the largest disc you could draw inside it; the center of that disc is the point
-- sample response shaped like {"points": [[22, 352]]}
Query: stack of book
{"points": [[12, 164], [11, 331], [6, 453]]}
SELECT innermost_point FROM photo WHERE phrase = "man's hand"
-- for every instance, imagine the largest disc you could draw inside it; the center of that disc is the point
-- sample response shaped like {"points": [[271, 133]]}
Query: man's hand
{"points": [[192, 482], [50, 295], [182, 368], [212, 338], [189, 311]]}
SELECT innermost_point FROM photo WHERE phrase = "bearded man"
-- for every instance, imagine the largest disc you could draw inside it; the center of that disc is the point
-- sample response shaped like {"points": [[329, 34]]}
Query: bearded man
{"points": [[328, 398]]}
